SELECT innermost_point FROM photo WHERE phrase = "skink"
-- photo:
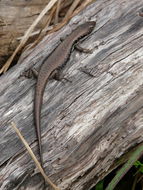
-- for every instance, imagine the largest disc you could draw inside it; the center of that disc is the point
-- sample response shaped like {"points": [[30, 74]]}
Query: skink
{"points": [[56, 60]]}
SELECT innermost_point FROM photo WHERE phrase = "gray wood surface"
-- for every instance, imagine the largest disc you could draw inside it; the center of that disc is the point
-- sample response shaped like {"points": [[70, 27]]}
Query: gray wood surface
{"points": [[86, 124]]}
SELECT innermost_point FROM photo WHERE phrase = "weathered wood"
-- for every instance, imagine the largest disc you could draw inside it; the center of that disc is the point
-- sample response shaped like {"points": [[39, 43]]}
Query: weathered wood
{"points": [[86, 124]]}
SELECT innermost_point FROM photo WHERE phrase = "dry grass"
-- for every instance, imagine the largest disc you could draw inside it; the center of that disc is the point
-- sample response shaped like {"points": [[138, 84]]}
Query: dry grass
{"points": [[34, 157], [58, 13]]}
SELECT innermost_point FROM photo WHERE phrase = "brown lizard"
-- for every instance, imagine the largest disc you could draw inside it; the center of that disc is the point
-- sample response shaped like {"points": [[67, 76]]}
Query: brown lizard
{"points": [[55, 61]]}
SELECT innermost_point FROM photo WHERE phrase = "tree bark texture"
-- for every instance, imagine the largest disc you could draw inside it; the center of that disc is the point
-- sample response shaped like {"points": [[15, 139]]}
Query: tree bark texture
{"points": [[87, 124]]}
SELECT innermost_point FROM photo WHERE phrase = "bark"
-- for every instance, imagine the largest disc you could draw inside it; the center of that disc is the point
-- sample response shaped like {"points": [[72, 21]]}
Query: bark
{"points": [[87, 124]]}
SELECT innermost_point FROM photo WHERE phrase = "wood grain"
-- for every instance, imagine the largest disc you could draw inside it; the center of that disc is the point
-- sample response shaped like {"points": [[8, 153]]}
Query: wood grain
{"points": [[86, 124]]}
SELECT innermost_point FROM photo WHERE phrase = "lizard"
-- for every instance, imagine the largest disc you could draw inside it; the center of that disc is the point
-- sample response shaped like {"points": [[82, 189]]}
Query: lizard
{"points": [[56, 60]]}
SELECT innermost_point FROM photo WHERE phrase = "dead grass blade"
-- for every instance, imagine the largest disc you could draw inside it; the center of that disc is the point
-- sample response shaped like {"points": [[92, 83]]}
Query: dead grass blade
{"points": [[72, 8], [57, 12], [27, 35], [71, 12], [65, 20], [34, 157]]}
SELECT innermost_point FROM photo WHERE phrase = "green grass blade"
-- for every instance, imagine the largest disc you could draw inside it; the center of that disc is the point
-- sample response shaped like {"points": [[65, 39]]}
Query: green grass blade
{"points": [[134, 157]]}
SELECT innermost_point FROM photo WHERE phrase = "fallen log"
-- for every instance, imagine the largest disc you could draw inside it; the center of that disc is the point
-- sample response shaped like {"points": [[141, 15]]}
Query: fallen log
{"points": [[87, 124]]}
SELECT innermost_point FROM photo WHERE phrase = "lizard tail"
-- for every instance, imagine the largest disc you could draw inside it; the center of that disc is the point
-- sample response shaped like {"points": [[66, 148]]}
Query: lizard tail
{"points": [[37, 113]]}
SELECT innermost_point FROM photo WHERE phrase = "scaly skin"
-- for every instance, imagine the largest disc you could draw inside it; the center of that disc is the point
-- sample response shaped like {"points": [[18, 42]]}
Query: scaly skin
{"points": [[57, 59]]}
